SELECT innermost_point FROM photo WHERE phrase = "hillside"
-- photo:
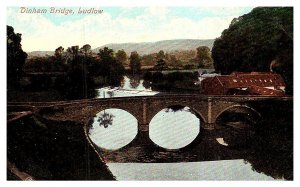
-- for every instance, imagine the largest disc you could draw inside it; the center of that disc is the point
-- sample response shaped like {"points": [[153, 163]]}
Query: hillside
{"points": [[153, 47], [40, 53], [144, 47]]}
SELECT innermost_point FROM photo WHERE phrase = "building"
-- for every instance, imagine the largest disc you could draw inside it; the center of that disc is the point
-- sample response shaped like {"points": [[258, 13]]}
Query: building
{"points": [[205, 73], [240, 83]]}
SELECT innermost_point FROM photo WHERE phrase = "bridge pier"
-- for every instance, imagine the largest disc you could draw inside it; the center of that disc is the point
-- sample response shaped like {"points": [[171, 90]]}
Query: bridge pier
{"points": [[143, 137]]}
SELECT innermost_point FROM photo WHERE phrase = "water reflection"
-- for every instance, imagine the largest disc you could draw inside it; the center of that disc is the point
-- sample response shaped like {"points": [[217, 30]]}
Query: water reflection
{"points": [[105, 119], [122, 129], [135, 81], [237, 127], [174, 127]]}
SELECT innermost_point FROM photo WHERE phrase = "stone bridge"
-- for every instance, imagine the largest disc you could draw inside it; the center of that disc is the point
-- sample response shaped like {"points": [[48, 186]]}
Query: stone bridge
{"points": [[144, 108]]}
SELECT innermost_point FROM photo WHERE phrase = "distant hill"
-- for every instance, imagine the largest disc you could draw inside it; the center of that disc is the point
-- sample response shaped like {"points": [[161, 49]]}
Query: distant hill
{"points": [[165, 45], [144, 47], [40, 53]]}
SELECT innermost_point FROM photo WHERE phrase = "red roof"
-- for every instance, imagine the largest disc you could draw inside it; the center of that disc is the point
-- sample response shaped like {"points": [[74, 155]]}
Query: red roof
{"points": [[241, 80]]}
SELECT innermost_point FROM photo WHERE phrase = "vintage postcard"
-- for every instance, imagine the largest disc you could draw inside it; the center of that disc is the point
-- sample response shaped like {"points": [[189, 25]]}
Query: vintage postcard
{"points": [[150, 93]]}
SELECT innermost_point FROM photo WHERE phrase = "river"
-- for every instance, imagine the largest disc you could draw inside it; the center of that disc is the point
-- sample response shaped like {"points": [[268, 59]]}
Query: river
{"points": [[115, 128]]}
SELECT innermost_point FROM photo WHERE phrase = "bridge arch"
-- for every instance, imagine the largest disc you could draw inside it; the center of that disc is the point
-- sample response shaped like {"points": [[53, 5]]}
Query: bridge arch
{"points": [[236, 106], [112, 128], [157, 109], [237, 128], [171, 130], [130, 110]]}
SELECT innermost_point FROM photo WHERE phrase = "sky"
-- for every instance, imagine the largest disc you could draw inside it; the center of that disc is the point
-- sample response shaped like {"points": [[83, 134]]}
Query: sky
{"points": [[47, 31]]}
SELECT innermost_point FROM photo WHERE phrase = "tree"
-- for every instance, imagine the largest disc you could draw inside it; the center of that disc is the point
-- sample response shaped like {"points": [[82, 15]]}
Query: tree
{"points": [[148, 60], [72, 52], [254, 40], [106, 55], [86, 49], [59, 56], [135, 62], [160, 55], [160, 65], [105, 119], [121, 56], [109, 67], [58, 52], [78, 83], [203, 57], [15, 57]]}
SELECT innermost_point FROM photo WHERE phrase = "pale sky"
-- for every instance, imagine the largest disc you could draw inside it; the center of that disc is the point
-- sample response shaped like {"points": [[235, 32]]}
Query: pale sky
{"points": [[119, 25]]}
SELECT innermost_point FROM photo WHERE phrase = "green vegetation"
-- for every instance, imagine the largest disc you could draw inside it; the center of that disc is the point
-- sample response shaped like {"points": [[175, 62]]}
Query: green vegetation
{"points": [[15, 57], [121, 57], [74, 73], [203, 57], [135, 62], [256, 40], [176, 81]]}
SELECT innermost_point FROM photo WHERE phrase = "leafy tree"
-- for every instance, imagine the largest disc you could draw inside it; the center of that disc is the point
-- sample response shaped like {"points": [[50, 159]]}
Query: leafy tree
{"points": [[203, 57], [15, 57], [86, 49], [160, 55], [254, 40], [161, 65], [148, 60], [59, 55], [59, 52], [109, 67], [135, 62], [121, 56], [78, 82], [106, 55], [72, 52], [105, 119]]}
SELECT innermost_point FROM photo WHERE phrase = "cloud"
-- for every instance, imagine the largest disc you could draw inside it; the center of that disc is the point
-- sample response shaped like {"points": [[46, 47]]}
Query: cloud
{"points": [[154, 24], [224, 11], [157, 12]]}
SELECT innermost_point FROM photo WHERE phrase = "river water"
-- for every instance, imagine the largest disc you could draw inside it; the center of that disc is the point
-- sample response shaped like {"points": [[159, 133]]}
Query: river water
{"points": [[115, 128]]}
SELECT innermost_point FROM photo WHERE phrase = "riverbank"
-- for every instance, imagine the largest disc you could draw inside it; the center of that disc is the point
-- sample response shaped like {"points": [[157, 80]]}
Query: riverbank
{"points": [[52, 150]]}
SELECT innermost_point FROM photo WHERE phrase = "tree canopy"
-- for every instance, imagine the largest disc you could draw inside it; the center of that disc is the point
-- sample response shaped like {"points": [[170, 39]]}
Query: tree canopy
{"points": [[135, 62], [121, 56], [203, 57], [15, 57], [254, 40]]}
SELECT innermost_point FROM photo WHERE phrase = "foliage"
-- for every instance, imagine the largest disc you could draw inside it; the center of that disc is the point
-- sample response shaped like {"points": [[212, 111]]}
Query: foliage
{"points": [[160, 65], [59, 52], [15, 57], [109, 67], [121, 57], [105, 119], [135, 62], [86, 49], [254, 40], [45, 64], [148, 60], [172, 81], [78, 82], [204, 58], [160, 55]]}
